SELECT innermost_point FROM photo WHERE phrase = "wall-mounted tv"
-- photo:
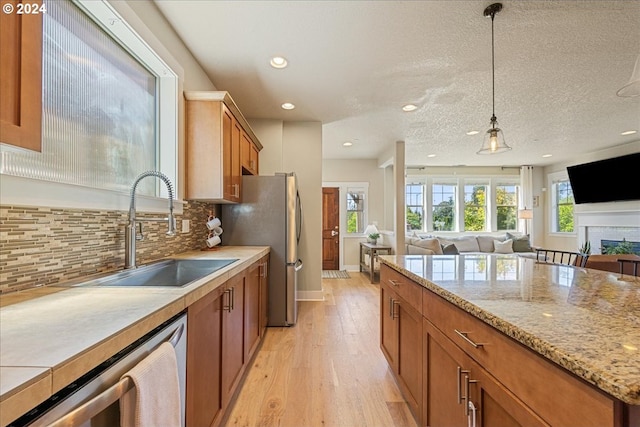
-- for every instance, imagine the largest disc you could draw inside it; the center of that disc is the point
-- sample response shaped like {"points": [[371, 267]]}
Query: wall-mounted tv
{"points": [[610, 180]]}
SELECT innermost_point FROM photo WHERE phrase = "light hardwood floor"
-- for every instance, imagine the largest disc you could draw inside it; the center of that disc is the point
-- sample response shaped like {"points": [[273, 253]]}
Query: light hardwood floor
{"points": [[327, 370]]}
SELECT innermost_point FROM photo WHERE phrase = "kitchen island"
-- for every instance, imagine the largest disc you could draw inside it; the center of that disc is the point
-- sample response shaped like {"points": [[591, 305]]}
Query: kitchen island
{"points": [[52, 335], [541, 344]]}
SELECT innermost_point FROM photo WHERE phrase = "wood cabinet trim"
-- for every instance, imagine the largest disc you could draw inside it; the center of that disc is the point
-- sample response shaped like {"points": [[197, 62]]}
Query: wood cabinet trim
{"points": [[21, 114], [224, 96]]}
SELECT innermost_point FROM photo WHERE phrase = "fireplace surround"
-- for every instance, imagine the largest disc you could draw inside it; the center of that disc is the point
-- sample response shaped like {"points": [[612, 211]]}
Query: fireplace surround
{"points": [[595, 227]]}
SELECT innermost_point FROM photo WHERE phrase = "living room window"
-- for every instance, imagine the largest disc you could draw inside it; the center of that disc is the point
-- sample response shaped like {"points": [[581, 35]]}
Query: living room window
{"points": [[506, 206], [415, 206], [443, 205], [475, 207], [472, 204], [562, 206]]}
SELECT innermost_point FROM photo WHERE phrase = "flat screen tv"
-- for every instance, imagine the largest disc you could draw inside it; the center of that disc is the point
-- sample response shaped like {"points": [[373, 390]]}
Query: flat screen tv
{"points": [[610, 180]]}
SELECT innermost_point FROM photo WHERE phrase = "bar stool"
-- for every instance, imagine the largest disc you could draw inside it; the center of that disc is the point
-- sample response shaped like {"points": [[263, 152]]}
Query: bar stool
{"points": [[552, 256]]}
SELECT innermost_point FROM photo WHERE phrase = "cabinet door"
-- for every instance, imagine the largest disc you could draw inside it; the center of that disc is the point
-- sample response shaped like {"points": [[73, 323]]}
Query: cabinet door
{"points": [[203, 396], [228, 130], [21, 78], [248, 155], [236, 168], [442, 392], [388, 325], [452, 376], [409, 370], [252, 310], [264, 295], [232, 335]]}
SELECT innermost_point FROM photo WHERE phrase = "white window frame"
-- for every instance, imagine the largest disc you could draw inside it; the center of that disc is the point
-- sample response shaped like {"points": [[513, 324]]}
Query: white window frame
{"points": [[32, 192], [552, 179], [491, 181], [489, 206]]}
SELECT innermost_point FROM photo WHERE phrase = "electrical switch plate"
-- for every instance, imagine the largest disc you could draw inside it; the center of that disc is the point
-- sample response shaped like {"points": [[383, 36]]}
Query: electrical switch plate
{"points": [[186, 225]]}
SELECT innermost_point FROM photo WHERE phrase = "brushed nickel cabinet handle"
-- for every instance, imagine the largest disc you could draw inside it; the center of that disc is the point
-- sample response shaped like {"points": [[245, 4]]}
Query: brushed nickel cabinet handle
{"points": [[393, 310], [394, 282], [460, 371], [464, 336], [228, 305], [467, 381]]}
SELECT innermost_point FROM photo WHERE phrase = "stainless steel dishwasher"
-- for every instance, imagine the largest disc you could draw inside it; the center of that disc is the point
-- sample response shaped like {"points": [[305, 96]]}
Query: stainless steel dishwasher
{"points": [[105, 376]]}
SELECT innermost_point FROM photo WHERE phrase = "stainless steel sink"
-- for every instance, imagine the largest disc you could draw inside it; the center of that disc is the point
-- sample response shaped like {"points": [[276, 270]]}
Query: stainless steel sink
{"points": [[171, 272]]}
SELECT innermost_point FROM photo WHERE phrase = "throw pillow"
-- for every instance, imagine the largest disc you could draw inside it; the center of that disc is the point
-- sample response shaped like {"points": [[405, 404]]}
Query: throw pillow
{"points": [[505, 247], [450, 249], [433, 244], [520, 243], [486, 242]]}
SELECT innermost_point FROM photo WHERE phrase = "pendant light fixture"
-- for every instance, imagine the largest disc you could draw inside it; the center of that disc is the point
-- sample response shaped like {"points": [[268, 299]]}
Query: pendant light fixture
{"points": [[632, 88], [494, 139]]}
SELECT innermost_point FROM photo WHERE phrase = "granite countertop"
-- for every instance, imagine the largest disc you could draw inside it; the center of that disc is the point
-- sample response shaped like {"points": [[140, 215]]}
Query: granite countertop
{"points": [[585, 320], [52, 335]]}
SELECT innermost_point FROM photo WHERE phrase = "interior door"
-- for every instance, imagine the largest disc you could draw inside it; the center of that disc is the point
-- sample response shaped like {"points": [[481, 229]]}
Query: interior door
{"points": [[330, 228]]}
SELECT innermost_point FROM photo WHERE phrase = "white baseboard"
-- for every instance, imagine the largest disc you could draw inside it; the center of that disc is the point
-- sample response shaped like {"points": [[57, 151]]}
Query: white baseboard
{"points": [[310, 296], [355, 267]]}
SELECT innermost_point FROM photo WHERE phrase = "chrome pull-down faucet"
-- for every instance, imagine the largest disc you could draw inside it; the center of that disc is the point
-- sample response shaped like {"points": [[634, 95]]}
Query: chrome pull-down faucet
{"points": [[131, 234]]}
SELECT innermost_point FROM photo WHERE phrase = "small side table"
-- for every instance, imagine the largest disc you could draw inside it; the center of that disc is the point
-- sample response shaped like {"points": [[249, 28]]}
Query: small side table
{"points": [[373, 250]]}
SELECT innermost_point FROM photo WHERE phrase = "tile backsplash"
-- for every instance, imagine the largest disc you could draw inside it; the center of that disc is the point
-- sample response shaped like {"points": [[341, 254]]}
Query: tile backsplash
{"points": [[42, 246]]}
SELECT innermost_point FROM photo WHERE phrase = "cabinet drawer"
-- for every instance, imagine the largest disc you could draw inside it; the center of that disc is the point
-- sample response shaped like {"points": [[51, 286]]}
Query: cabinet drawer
{"points": [[553, 393], [406, 288]]}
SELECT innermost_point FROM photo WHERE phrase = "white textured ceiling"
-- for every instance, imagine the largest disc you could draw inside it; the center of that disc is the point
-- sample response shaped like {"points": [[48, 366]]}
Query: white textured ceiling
{"points": [[354, 64]]}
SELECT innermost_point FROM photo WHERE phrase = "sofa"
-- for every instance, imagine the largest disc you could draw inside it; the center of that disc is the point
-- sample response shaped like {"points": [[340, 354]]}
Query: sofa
{"points": [[504, 243]]}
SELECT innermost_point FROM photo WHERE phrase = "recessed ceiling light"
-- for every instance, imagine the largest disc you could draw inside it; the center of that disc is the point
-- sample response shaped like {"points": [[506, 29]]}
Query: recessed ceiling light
{"points": [[278, 62], [628, 132], [288, 106], [472, 132], [431, 155], [547, 155], [409, 107], [347, 144]]}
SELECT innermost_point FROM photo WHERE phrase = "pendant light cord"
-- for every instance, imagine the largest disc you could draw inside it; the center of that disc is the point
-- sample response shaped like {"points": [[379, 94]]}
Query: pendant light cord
{"points": [[493, 76]]}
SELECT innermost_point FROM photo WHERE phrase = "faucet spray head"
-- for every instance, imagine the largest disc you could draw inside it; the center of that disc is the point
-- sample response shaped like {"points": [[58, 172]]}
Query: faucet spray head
{"points": [[172, 225]]}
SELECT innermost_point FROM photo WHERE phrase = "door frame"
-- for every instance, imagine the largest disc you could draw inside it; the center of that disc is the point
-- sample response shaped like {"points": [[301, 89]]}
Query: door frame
{"points": [[342, 190]]}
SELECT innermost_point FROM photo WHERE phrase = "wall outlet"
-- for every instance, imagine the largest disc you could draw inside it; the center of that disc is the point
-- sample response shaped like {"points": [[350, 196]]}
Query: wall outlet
{"points": [[186, 225]]}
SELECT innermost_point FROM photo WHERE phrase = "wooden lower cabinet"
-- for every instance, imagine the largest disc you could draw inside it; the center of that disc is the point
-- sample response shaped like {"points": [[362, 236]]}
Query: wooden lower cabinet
{"points": [[252, 310], [458, 392], [204, 345], [401, 342], [232, 336], [431, 347], [264, 295], [225, 328]]}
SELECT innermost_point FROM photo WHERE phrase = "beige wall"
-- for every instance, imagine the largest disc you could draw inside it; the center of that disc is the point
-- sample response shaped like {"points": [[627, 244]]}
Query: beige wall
{"points": [[297, 147]]}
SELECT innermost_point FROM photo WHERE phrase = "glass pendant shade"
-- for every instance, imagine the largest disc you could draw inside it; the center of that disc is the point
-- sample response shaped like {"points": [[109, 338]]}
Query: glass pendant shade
{"points": [[632, 88], [493, 142]]}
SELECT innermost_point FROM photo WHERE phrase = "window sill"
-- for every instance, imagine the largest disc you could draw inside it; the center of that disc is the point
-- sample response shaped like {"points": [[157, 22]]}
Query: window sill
{"points": [[18, 191]]}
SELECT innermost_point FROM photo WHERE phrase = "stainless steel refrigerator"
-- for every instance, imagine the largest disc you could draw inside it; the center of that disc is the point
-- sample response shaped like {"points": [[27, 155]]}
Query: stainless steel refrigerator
{"points": [[271, 215]]}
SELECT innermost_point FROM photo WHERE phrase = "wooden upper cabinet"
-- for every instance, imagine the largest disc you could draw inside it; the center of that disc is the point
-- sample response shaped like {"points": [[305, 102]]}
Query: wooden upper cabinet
{"points": [[216, 131], [21, 78], [249, 156]]}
